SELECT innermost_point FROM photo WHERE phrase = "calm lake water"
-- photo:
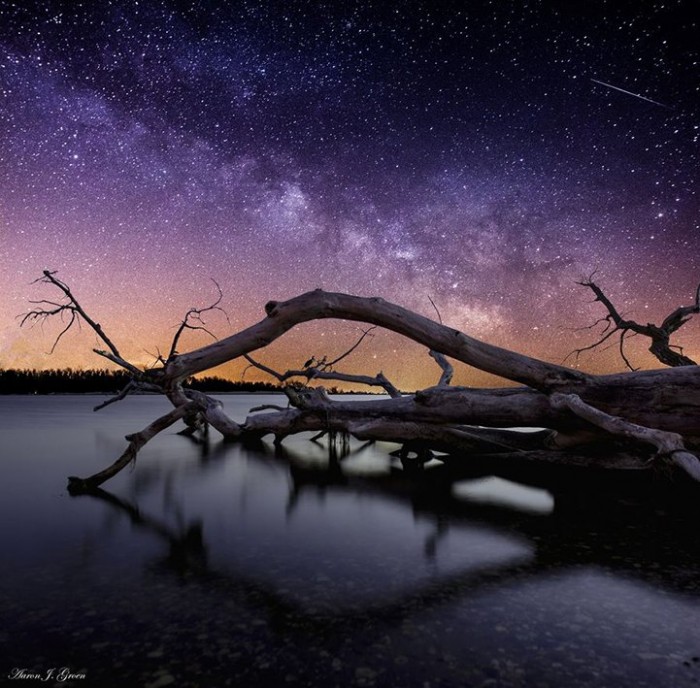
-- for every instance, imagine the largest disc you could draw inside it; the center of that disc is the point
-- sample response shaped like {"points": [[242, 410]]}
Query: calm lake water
{"points": [[224, 566]]}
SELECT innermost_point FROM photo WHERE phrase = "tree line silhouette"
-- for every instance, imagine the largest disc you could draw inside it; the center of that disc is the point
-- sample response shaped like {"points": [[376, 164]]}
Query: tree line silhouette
{"points": [[71, 381]]}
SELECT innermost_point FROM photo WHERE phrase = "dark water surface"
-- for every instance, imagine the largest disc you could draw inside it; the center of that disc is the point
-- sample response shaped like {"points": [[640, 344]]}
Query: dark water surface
{"points": [[225, 566]]}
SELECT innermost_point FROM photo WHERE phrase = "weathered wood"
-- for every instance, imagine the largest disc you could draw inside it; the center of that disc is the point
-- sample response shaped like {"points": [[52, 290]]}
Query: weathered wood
{"points": [[319, 305], [446, 367], [669, 444], [592, 416]]}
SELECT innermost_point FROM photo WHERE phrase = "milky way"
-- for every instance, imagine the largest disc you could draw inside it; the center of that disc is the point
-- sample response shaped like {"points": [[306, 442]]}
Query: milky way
{"points": [[464, 152]]}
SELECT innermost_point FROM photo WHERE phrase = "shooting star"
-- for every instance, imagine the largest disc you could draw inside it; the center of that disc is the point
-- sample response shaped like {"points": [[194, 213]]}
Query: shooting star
{"points": [[629, 93]]}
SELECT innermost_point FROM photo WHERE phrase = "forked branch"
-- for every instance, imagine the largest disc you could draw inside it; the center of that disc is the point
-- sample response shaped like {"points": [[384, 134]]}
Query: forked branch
{"points": [[322, 369], [193, 320], [71, 306]]}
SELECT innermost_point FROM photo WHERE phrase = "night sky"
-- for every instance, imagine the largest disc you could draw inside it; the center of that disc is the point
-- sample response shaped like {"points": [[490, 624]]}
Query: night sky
{"points": [[468, 152]]}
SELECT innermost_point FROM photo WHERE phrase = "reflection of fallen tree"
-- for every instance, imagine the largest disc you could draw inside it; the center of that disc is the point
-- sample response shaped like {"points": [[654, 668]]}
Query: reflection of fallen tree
{"points": [[632, 420], [607, 535], [627, 519], [186, 549]]}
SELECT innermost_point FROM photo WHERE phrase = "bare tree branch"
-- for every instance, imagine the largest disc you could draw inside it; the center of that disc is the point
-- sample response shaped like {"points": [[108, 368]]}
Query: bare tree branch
{"points": [[659, 407], [447, 369], [267, 407], [660, 335], [681, 315], [281, 377], [72, 306], [436, 309], [318, 305], [605, 319], [76, 313], [117, 397], [120, 362], [131, 387], [577, 352], [622, 350], [365, 333], [195, 314], [323, 370], [136, 441], [378, 380]]}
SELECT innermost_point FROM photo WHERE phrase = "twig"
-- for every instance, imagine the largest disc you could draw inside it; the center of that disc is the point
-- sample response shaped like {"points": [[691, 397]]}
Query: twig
{"points": [[436, 309], [195, 314], [622, 350], [328, 366]]}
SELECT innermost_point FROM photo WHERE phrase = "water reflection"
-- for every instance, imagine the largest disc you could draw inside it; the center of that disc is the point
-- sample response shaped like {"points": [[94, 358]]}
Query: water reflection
{"points": [[505, 493], [501, 531], [266, 565]]}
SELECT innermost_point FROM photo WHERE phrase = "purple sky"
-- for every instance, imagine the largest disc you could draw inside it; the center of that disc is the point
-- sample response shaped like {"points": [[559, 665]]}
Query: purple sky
{"points": [[466, 152]]}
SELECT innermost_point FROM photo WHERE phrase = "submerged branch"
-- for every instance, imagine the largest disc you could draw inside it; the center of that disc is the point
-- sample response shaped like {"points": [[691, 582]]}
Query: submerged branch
{"points": [[136, 442]]}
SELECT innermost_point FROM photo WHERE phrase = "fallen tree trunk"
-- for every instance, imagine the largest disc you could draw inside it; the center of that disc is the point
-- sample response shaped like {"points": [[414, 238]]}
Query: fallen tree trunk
{"points": [[319, 305], [643, 416]]}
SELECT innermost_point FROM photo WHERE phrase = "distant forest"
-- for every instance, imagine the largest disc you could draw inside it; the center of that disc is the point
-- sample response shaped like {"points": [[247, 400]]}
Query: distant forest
{"points": [[69, 381]]}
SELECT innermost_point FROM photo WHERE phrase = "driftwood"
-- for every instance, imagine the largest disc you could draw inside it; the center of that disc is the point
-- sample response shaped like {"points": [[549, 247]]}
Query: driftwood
{"points": [[628, 421]]}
